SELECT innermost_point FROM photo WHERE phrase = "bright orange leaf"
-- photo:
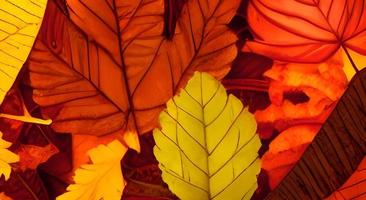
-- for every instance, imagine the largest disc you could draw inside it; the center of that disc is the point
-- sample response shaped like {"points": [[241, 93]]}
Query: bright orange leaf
{"points": [[323, 83], [306, 30]]}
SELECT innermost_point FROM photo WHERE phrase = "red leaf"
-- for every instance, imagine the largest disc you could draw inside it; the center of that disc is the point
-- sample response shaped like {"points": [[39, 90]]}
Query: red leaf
{"points": [[31, 156]]}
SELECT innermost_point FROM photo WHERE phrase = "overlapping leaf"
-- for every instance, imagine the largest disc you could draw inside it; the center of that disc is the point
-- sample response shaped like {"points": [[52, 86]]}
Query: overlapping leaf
{"points": [[354, 187], [31, 155], [285, 150], [113, 70], [19, 25], [102, 179], [336, 151], [307, 30], [207, 146], [6, 158]]}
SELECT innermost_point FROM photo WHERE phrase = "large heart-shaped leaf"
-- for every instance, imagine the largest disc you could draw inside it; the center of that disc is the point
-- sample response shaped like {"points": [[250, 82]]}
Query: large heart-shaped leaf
{"points": [[108, 68], [19, 25], [207, 146]]}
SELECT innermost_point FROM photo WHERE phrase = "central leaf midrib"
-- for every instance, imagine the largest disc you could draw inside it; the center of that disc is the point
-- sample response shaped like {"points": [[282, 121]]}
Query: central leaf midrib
{"points": [[131, 107]]}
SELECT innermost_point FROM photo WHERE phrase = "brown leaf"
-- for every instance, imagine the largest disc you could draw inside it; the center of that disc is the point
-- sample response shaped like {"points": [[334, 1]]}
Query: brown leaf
{"points": [[113, 70], [335, 152], [285, 150], [31, 155]]}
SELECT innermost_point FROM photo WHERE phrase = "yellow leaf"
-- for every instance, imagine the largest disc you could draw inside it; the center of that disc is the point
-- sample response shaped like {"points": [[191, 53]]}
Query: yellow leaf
{"points": [[207, 146], [6, 157], [19, 24], [101, 180]]}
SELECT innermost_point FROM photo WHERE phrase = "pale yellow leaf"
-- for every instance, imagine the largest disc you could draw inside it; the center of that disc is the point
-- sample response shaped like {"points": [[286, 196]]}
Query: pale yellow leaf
{"points": [[102, 179]]}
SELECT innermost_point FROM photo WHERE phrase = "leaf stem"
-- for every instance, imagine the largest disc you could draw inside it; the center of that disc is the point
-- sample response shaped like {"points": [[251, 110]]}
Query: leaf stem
{"points": [[26, 186], [27, 119], [350, 59]]}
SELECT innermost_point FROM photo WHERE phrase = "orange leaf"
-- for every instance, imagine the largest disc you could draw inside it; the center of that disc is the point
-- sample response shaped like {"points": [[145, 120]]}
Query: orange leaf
{"points": [[4, 197], [112, 69], [306, 30], [323, 83], [31, 155], [285, 150], [354, 187]]}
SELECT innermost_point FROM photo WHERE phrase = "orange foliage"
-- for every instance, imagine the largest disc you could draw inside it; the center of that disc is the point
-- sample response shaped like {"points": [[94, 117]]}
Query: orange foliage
{"points": [[112, 68], [285, 150], [298, 123], [323, 83], [306, 31]]}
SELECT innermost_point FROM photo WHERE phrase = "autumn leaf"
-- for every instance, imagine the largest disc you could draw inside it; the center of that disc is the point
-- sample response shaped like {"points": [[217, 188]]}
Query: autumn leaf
{"points": [[25, 185], [322, 85], [207, 146], [20, 22], [4, 197], [285, 150], [102, 179], [6, 158], [307, 30], [113, 70], [354, 187], [31, 155], [335, 152]]}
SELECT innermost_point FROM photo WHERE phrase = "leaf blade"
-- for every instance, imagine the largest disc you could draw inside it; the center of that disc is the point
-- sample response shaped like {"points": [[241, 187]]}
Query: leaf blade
{"points": [[214, 138], [20, 22], [101, 180], [129, 55]]}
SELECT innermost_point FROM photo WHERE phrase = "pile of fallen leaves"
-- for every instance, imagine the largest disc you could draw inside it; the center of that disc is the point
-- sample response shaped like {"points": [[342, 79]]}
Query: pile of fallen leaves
{"points": [[182, 99]]}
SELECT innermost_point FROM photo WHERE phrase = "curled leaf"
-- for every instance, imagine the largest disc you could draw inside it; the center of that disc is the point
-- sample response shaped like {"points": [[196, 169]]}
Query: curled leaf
{"points": [[336, 151], [207, 146]]}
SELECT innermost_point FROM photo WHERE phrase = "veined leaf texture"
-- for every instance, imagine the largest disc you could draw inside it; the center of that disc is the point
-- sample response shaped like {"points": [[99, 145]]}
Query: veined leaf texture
{"points": [[160, 99], [19, 25], [112, 68], [207, 146]]}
